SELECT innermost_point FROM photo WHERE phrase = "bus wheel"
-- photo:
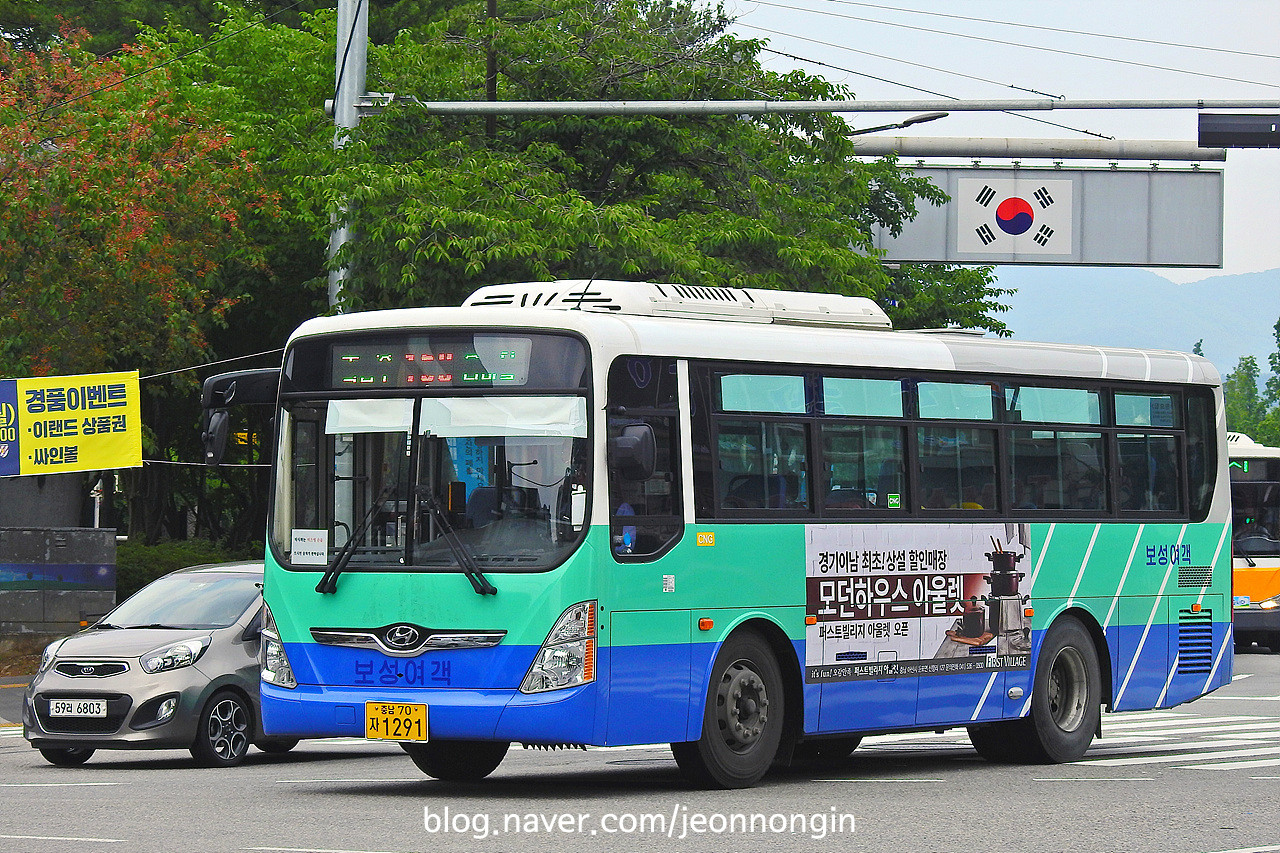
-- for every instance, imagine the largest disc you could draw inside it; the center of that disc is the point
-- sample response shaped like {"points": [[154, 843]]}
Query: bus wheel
{"points": [[826, 750], [1066, 702], [742, 721], [457, 760]]}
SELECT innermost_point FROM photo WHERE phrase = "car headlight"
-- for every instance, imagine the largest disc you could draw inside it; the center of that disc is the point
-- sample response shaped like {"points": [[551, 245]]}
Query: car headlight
{"points": [[174, 656], [567, 657], [1271, 603], [273, 663], [50, 655]]}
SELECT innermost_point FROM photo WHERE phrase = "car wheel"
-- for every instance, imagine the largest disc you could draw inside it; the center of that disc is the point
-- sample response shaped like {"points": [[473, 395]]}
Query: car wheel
{"points": [[277, 746], [66, 757], [222, 735], [457, 760]]}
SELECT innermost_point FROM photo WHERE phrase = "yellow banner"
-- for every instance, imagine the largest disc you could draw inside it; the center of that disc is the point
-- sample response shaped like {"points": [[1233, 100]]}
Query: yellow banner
{"points": [[59, 424]]}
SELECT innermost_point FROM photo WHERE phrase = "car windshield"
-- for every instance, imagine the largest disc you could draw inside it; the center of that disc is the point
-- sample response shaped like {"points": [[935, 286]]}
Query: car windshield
{"points": [[188, 600]]}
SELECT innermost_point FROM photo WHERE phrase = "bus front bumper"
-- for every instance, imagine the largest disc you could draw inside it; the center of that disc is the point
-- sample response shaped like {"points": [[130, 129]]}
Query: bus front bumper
{"points": [[558, 716]]}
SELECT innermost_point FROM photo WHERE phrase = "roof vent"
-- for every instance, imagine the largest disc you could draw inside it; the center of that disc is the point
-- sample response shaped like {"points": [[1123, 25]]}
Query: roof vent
{"points": [[649, 299]]}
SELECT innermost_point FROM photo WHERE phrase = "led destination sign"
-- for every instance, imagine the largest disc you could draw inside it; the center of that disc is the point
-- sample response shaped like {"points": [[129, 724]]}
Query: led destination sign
{"points": [[482, 361]]}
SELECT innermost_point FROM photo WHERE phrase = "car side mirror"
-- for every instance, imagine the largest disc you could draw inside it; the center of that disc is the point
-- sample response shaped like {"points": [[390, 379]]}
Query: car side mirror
{"points": [[634, 453]]}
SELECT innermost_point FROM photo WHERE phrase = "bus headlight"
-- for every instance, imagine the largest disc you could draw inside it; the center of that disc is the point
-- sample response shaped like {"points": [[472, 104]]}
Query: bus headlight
{"points": [[567, 657], [273, 663]]}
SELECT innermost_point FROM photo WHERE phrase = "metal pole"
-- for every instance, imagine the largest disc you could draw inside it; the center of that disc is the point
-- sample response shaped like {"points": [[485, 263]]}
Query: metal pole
{"points": [[1048, 149], [351, 62], [376, 100], [349, 84]]}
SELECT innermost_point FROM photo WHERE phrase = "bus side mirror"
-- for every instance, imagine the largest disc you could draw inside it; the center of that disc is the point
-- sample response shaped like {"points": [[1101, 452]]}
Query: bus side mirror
{"points": [[634, 453]]}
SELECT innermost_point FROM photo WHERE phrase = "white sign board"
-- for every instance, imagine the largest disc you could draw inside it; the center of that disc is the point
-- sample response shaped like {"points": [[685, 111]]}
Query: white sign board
{"points": [[1090, 217]]}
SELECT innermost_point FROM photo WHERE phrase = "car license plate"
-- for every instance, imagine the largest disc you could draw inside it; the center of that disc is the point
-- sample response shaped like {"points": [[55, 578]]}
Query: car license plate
{"points": [[77, 707], [1241, 601], [395, 721]]}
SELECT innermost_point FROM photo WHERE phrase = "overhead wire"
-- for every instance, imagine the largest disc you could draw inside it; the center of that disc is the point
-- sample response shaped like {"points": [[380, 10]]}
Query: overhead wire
{"points": [[214, 363], [1006, 43], [903, 85], [1065, 30]]}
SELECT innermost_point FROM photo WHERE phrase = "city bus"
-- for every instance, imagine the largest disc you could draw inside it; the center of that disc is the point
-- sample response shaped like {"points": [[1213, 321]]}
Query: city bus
{"points": [[754, 525], [1255, 541]]}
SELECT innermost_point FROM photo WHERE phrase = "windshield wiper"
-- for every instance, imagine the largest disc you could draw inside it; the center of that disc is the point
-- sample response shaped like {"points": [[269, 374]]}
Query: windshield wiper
{"points": [[329, 580], [460, 553], [161, 625]]}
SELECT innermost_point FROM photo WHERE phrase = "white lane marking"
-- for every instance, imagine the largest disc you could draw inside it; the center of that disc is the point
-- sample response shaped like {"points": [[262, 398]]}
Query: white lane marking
{"points": [[1241, 676], [1172, 750], [312, 850], [55, 785], [1101, 779], [62, 838], [1233, 765], [1147, 722], [878, 780], [1269, 849], [1170, 759], [342, 781]]}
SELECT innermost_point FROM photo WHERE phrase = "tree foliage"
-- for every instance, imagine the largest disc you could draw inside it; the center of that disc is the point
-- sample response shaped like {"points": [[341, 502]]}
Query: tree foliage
{"points": [[1252, 403], [122, 218], [32, 24]]}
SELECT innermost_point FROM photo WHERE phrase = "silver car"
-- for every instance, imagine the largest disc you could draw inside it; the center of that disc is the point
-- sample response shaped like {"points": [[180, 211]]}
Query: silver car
{"points": [[176, 665]]}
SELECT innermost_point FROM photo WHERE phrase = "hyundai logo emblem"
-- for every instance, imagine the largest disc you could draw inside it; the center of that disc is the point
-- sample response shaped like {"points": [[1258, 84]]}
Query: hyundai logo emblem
{"points": [[401, 636]]}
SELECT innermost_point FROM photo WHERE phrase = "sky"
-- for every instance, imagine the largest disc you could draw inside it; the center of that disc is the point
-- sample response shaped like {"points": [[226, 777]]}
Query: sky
{"points": [[854, 43]]}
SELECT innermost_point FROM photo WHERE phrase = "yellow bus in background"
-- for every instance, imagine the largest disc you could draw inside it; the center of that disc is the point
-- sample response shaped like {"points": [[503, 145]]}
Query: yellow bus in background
{"points": [[1255, 541]]}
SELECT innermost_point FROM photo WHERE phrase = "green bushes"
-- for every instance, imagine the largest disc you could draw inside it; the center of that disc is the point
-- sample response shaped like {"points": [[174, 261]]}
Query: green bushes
{"points": [[138, 565]]}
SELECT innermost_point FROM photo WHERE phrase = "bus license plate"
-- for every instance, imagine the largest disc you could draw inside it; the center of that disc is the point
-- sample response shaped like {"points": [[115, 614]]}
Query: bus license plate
{"points": [[395, 721], [77, 707]]}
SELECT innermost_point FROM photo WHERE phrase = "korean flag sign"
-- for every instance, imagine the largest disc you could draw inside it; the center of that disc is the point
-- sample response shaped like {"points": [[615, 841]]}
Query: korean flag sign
{"points": [[1015, 216], [59, 424]]}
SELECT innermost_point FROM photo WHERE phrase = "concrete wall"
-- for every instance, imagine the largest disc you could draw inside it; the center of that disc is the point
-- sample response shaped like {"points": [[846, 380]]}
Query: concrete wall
{"points": [[51, 577]]}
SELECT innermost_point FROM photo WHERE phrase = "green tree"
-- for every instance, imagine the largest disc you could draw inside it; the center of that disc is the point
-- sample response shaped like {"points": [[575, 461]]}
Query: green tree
{"points": [[114, 23], [1252, 403], [123, 214]]}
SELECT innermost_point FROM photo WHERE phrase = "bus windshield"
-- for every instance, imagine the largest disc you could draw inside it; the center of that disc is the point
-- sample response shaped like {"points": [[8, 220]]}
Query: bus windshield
{"points": [[507, 475], [1255, 506]]}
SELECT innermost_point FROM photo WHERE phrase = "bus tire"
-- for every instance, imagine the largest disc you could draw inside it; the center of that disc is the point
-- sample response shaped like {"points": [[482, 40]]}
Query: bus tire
{"points": [[742, 719], [457, 760], [825, 750], [1066, 698]]}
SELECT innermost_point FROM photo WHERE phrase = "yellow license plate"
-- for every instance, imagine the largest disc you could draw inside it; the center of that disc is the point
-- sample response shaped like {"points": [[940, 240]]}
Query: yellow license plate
{"points": [[395, 721]]}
